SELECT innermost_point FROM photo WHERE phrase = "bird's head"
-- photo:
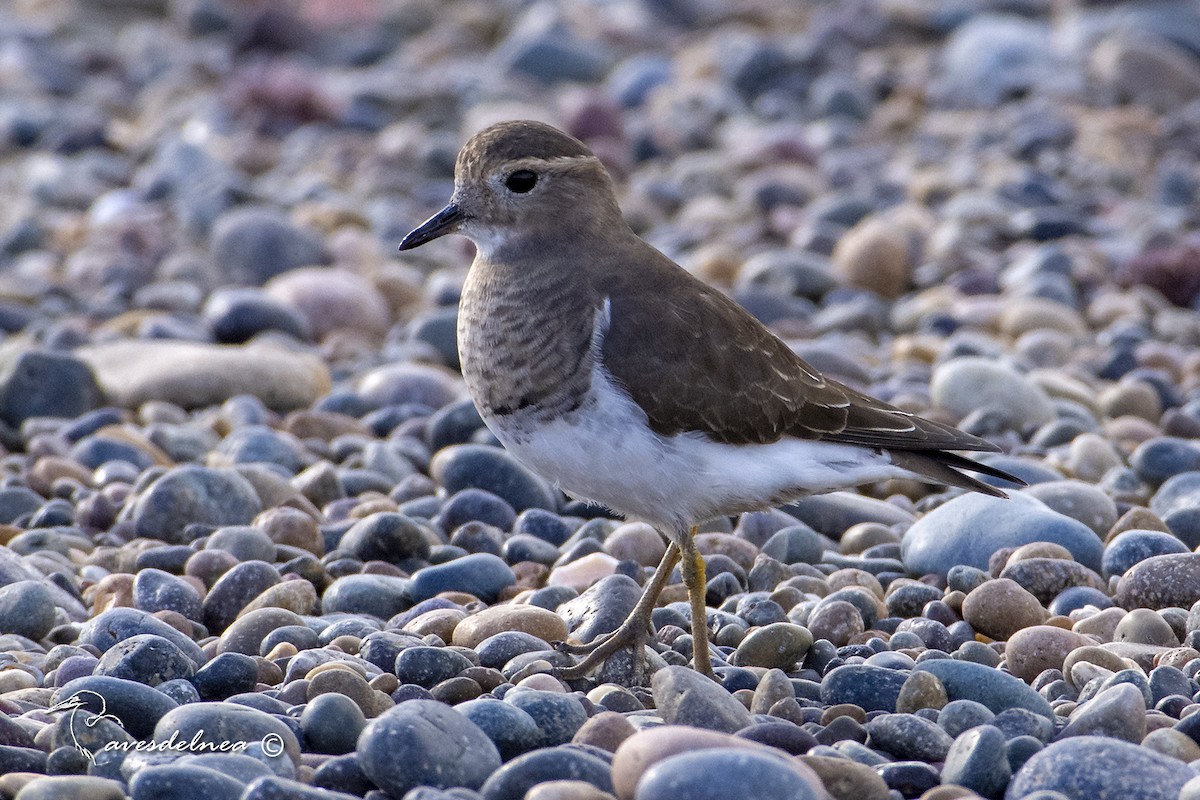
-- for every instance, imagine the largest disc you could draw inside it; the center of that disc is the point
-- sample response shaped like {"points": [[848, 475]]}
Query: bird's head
{"points": [[520, 180]]}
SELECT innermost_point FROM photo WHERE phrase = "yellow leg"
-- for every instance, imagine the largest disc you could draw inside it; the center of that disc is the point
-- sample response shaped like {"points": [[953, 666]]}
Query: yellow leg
{"points": [[693, 578]]}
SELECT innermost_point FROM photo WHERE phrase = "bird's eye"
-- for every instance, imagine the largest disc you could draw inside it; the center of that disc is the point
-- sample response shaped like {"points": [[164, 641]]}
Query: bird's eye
{"points": [[521, 181]]}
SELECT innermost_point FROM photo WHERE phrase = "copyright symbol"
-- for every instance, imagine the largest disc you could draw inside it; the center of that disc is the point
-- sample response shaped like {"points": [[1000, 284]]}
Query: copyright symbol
{"points": [[272, 744]]}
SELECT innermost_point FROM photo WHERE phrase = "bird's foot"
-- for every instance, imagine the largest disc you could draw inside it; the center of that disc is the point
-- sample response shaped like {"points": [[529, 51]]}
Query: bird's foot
{"points": [[631, 634]]}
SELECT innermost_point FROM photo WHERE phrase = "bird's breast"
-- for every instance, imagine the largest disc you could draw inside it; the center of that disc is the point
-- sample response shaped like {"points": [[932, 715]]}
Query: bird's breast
{"points": [[524, 345]]}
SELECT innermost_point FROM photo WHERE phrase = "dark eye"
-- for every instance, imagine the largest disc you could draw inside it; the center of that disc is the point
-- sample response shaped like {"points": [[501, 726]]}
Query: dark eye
{"points": [[521, 181]]}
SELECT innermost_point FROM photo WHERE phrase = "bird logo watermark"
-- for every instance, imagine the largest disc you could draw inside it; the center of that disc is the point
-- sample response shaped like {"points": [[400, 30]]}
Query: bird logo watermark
{"points": [[95, 710]]}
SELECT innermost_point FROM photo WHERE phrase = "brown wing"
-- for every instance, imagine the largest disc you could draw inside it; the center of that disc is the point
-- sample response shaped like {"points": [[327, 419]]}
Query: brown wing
{"points": [[695, 360]]}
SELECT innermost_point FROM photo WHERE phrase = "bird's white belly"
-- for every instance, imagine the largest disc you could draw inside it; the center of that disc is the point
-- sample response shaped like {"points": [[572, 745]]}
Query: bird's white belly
{"points": [[604, 451]]}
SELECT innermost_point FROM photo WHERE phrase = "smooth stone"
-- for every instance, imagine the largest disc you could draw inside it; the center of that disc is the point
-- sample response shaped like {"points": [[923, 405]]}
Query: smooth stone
{"points": [[429, 666], [137, 707], [385, 536], [1118, 712], [17, 501], [196, 375], [183, 781], [1143, 626], [26, 609], [920, 690], [331, 723], [1131, 547], [833, 513], [515, 778], [795, 544], [545, 625], [874, 255], [380, 596], [296, 595], [147, 659], [999, 608], [225, 675], [156, 590], [606, 730], [966, 680], [584, 571], [1077, 500], [481, 574], [273, 787], [255, 243], [970, 383], [190, 495], [234, 590], [1161, 582], [636, 541], [993, 57], [1177, 503], [1046, 577], [330, 299], [557, 716], [246, 633], [237, 314], [44, 383], [719, 773], [869, 687], [423, 743], [685, 697], [970, 528], [566, 790], [512, 730], [776, 646], [1041, 647], [1162, 458], [909, 737], [77, 787], [106, 629], [465, 466], [498, 649], [958, 716], [845, 779], [648, 747], [1098, 766], [221, 725]]}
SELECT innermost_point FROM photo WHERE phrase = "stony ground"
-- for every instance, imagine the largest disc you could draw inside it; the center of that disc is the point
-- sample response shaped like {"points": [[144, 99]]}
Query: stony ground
{"points": [[257, 545]]}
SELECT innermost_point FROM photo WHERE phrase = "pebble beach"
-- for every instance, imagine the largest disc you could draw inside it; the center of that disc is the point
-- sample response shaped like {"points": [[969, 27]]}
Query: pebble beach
{"points": [[256, 543]]}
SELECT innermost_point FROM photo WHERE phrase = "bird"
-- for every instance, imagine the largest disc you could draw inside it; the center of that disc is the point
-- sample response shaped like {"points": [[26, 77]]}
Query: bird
{"points": [[614, 373]]}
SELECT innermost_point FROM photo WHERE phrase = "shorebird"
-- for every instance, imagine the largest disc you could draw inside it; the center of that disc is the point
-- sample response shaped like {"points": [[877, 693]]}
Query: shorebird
{"points": [[611, 371]]}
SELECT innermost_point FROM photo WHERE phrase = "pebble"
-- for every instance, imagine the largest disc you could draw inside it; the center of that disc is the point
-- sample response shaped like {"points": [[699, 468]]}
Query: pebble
{"points": [[1100, 766], [195, 375], [513, 780], [26, 609], [719, 773], [954, 533], [420, 743], [968, 384]]}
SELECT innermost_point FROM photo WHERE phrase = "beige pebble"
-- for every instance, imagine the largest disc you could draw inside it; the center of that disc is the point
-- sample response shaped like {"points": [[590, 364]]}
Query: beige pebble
{"points": [[441, 622], [606, 730], [536, 621], [1002, 607], [636, 541], [583, 572], [1042, 647], [1101, 624], [566, 790]]}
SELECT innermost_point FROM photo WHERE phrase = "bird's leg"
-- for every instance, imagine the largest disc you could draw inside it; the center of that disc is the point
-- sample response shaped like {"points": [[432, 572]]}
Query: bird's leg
{"points": [[692, 565], [632, 631]]}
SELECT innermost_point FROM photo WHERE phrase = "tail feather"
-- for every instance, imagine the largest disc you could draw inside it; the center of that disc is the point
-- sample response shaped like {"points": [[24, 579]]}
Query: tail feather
{"points": [[942, 467]]}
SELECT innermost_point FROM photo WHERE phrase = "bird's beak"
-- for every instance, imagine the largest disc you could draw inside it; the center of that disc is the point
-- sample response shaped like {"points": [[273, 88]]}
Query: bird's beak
{"points": [[441, 223]]}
